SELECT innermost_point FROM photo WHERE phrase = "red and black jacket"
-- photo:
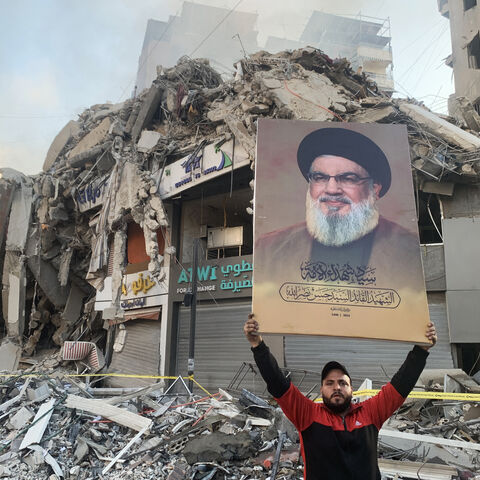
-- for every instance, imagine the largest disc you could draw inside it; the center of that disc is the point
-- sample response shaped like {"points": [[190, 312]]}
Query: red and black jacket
{"points": [[336, 448]]}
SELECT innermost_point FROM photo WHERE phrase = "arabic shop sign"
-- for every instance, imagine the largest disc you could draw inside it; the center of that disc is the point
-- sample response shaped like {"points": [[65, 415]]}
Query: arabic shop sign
{"points": [[223, 278], [138, 290], [211, 161], [92, 194]]}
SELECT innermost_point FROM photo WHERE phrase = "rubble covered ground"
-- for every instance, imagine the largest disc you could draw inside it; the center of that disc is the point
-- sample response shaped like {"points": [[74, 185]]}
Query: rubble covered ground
{"points": [[53, 425]]}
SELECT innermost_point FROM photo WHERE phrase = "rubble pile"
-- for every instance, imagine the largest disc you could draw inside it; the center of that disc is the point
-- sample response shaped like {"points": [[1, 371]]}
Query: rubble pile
{"points": [[103, 170], [116, 154], [55, 426]]}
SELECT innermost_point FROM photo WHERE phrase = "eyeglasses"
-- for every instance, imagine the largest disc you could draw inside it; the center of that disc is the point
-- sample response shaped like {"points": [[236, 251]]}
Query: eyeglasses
{"points": [[344, 179]]}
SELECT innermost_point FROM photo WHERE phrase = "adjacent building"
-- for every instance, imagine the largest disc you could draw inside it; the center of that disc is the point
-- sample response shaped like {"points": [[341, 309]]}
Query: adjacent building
{"points": [[224, 38], [364, 41], [464, 17]]}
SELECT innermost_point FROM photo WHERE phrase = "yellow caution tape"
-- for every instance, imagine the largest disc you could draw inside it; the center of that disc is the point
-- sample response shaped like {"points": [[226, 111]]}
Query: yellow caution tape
{"points": [[199, 386], [462, 397], [127, 375], [472, 397]]}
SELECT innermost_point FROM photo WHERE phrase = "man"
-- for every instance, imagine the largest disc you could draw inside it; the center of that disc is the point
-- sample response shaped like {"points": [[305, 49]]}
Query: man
{"points": [[338, 439], [347, 173]]}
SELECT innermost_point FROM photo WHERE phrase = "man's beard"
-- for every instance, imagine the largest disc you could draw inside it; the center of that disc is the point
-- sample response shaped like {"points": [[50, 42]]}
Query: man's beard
{"points": [[338, 408], [337, 229]]}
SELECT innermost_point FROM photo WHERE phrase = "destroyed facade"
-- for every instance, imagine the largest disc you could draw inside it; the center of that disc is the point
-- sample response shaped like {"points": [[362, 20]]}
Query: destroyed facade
{"points": [[464, 19], [97, 257]]}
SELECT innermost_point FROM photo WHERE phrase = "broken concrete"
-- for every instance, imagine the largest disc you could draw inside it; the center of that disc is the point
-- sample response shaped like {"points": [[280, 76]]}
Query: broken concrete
{"points": [[380, 115], [70, 242], [148, 140], [20, 219], [9, 355], [148, 109], [93, 138], [219, 447], [70, 130], [432, 123], [309, 96], [16, 302]]}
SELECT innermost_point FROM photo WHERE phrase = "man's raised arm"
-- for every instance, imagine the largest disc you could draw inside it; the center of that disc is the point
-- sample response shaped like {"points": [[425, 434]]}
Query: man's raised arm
{"points": [[392, 395], [407, 375], [276, 382]]}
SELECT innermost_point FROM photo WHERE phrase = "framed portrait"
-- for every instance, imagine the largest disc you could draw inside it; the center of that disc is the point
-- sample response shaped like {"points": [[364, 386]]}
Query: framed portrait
{"points": [[336, 246]]}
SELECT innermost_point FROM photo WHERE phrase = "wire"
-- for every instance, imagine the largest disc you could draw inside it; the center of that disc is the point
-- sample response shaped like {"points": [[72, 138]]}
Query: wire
{"points": [[35, 116], [150, 53], [409, 69], [433, 54], [420, 36], [216, 26], [432, 219]]}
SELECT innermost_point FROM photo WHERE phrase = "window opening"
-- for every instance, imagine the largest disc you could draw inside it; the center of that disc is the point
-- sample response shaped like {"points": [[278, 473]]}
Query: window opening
{"points": [[473, 51]]}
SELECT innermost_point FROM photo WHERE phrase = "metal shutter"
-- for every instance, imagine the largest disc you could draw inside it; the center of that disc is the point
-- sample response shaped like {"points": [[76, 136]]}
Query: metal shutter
{"points": [[220, 346], [375, 359], [140, 354]]}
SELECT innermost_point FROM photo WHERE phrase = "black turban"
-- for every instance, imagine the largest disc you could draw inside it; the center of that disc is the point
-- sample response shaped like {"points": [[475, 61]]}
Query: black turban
{"points": [[354, 146]]}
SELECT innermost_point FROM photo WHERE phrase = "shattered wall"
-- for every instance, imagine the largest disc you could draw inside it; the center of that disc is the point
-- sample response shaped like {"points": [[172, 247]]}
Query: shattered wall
{"points": [[465, 58]]}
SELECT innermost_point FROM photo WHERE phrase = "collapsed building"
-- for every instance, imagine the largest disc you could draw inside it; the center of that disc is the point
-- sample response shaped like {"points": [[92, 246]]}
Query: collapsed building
{"points": [[97, 251]]}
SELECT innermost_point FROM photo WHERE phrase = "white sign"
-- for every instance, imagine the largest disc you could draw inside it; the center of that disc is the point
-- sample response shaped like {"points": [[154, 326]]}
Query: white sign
{"points": [[139, 290], [214, 160], [92, 194]]}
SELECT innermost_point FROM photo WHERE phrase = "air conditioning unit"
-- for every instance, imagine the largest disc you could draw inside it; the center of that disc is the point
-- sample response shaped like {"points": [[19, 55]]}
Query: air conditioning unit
{"points": [[224, 237]]}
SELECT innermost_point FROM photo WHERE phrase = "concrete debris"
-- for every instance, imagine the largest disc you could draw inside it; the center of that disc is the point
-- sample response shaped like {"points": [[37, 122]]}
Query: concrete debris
{"points": [[65, 238], [93, 138], [9, 355], [70, 130], [193, 438], [438, 126], [148, 140]]}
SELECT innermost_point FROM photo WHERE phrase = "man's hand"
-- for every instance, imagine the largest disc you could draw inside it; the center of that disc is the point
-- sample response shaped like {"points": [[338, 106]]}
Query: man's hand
{"points": [[251, 331], [431, 335]]}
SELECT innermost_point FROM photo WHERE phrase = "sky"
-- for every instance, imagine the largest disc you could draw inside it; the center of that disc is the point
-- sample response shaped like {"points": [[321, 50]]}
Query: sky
{"points": [[58, 57]]}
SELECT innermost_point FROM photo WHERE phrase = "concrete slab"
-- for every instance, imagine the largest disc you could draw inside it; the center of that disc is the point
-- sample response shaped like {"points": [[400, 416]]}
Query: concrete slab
{"points": [[149, 106], [6, 198], [71, 129], [40, 393], [16, 303], [74, 305], [241, 134], [19, 219], [45, 274], [108, 109], [10, 265], [9, 356], [379, 115], [148, 140], [20, 419], [449, 132], [93, 138], [304, 97]]}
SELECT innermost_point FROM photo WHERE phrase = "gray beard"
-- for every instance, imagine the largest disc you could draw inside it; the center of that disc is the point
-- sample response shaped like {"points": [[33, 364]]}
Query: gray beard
{"points": [[334, 230]]}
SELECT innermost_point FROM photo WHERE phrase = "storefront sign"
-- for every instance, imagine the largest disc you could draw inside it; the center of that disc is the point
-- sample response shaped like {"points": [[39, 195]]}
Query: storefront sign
{"points": [[138, 290], [92, 194], [223, 278], [212, 161]]}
